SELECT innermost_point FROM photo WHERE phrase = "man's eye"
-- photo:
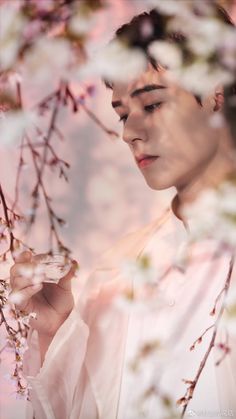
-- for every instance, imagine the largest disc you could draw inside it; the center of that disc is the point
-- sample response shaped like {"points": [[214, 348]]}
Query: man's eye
{"points": [[148, 108], [152, 107], [123, 118]]}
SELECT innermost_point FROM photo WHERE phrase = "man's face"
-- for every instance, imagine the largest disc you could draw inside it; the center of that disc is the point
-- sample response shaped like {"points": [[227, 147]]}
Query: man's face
{"points": [[166, 123]]}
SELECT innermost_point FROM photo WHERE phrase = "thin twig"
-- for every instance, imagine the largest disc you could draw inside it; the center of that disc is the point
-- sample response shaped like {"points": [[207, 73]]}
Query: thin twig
{"points": [[8, 222], [190, 391]]}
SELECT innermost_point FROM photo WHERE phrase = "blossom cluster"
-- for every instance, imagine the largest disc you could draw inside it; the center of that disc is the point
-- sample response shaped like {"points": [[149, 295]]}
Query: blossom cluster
{"points": [[213, 214], [38, 40], [206, 55]]}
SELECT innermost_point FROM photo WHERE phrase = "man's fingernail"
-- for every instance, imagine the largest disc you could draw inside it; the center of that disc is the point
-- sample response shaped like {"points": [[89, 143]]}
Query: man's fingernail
{"points": [[76, 265]]}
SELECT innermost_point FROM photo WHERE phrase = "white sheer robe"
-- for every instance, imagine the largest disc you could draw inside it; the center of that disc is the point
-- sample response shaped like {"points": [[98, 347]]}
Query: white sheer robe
{"points": [[85, 372]]}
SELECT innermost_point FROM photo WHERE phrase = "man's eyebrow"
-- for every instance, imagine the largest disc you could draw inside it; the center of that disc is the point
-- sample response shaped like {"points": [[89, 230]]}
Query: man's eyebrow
{"points": [[137, 92], [146, 88]]}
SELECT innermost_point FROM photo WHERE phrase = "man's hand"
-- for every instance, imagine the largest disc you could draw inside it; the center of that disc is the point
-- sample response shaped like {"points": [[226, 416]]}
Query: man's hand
{"points": [[52, 303]]}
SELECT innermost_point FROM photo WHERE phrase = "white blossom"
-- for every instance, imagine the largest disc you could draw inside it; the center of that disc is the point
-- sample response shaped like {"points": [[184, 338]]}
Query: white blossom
{"points": [[26, 271], [166, 53], [213, 214], [208, 35], [145, 369], [200, 77], [140, 270], [81, 23], [148, 405], [16, 298], [144, 295], [171, 7], [13, 125], [116, 62], [34, 272], [46, 57]]}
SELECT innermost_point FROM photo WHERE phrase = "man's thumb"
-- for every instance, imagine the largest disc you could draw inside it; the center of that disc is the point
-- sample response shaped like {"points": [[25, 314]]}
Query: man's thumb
{"points": [[66, 279]]}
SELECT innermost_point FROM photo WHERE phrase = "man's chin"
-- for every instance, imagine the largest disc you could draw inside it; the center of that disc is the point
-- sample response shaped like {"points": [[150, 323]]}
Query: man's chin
{"points": [[158, 184]]}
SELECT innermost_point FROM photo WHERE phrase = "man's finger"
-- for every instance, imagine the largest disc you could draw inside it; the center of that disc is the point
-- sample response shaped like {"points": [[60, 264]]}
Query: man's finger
{"points": [[39, 257], [65, 281], [25, 256], [19, 282], [24, 269], [21, 298]]}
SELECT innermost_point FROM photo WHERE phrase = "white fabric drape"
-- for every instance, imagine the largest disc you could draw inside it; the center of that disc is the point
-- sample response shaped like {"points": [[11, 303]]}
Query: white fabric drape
{"points": [[85, 374]]}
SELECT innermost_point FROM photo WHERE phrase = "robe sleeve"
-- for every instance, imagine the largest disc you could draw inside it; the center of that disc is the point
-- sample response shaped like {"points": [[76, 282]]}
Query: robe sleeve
{"points": [[54, 384]]}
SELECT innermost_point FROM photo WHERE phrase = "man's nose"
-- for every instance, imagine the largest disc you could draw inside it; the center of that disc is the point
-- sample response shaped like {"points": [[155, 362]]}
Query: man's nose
{"points": [[134, 130]]}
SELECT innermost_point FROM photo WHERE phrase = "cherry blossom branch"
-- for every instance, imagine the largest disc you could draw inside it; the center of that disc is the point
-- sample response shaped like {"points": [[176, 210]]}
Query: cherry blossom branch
{"points": [[14, 335], [63, 95], [81, 102], [56, 160], [39, 172], [51, 214], [193, 383], [17, 336], [199, 339], [223, 346], [18, 174], [98, 121], [185, 319], [9, 223]]}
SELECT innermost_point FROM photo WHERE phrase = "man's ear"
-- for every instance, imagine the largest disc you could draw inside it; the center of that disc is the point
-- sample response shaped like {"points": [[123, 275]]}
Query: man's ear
{"points": [[219, 100]]}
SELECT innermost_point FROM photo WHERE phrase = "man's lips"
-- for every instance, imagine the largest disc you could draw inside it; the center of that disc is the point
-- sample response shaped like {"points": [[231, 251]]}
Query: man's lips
{"points": [[145, 160]]}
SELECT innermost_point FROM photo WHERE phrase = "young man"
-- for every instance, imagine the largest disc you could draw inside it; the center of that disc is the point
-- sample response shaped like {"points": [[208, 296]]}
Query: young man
{"points": [[99, 360]]}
